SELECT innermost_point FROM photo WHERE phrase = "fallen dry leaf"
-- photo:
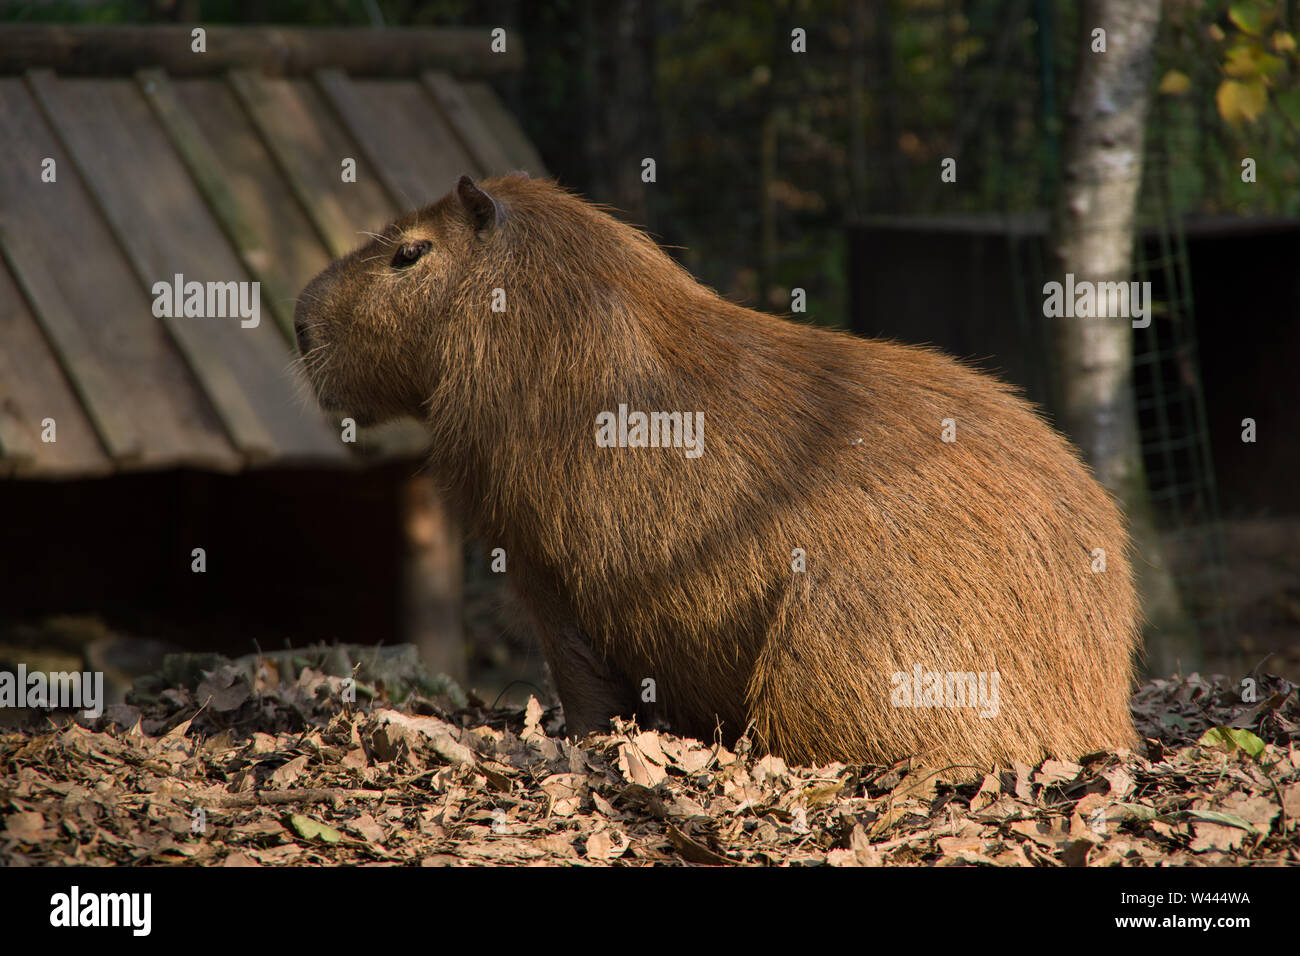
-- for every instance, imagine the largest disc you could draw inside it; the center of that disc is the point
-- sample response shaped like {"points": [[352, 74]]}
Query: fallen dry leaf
{"points": [[290, 777]]}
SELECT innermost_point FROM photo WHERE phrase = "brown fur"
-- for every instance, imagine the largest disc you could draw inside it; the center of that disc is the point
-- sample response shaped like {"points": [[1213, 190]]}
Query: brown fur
{"points": [[637, 563]]}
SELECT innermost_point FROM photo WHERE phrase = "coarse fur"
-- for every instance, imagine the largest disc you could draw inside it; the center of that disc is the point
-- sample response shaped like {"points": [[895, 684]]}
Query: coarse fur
{"points": [[972, 555]]}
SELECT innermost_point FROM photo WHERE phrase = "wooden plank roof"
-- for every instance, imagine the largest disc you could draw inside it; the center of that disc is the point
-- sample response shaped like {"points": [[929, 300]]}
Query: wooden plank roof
{"points": [[226, 173]]}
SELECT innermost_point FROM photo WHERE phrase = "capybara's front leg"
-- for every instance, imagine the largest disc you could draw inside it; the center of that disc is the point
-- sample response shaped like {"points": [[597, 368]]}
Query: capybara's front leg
{"points": [[590, 691]]}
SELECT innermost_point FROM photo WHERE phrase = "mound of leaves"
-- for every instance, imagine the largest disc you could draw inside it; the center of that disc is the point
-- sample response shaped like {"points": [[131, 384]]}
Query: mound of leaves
{"points": [[241, 765]]}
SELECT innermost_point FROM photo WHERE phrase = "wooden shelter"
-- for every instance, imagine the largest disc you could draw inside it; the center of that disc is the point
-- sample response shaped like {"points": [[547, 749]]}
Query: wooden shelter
{"points": [[128, 438]]}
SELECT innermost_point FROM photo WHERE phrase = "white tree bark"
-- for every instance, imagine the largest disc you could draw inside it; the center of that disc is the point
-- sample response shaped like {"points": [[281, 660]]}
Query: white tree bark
{"points": [[1093, 236]]}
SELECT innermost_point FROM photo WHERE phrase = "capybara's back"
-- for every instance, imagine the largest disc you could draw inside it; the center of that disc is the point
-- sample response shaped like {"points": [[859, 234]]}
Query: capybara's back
{"points": [[861, 549]]}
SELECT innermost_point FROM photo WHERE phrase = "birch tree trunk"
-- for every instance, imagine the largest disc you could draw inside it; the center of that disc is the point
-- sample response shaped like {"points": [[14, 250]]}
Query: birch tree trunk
{"points": [[1093, 234]]}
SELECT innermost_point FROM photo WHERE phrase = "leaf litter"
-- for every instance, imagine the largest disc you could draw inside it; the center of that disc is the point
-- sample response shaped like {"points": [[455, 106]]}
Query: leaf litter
{"points": [[273, 764]]}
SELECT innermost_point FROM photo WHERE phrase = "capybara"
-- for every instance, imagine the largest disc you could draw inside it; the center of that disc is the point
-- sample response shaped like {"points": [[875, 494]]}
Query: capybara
{"points": [[858, 550]]}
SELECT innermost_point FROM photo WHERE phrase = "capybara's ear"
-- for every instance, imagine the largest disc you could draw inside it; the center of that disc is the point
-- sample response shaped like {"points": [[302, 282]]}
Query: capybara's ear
{"points": [[483, 211]]}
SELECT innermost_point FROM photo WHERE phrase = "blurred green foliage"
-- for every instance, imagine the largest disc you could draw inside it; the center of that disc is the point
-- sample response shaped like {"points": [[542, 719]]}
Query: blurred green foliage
{"points": [[1230, 90]]}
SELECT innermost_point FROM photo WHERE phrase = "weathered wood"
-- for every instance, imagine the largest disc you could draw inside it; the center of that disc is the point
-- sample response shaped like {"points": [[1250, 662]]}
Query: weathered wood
{"points": [[166, 230], [474, 134], [283, 231], [434, 580], [487, 106], [300, 130], [309, 146], [33, 388], [415, 154], [123, 49], [403, 438], [91, 308], [43, 282], [213, 178]]}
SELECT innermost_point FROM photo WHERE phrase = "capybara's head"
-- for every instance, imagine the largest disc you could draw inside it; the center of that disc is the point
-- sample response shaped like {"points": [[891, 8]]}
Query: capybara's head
{"points": [[500, 273], [369, 325]]}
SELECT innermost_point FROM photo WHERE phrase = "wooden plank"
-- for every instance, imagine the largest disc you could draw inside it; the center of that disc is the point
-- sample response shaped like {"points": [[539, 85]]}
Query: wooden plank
{"points": [[415, 154], [93, 313], [163, 225], [474, 134], [213, 176], [304, 135], [100, 391], [523, 155], [403, 438], [33, 388], [433, 579], [281, 226], [309, 146], [123, 49]]}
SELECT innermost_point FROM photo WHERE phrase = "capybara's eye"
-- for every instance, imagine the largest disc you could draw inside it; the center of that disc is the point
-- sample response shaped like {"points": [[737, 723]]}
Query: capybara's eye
{"points": [[410, 252]]}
